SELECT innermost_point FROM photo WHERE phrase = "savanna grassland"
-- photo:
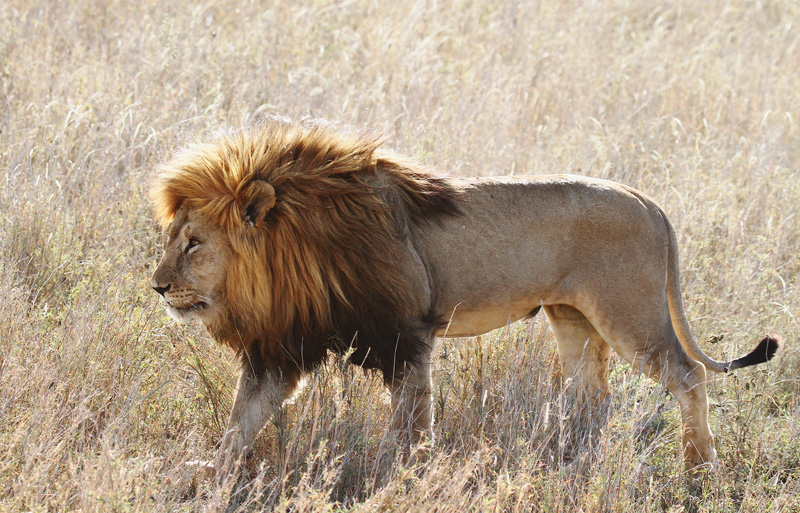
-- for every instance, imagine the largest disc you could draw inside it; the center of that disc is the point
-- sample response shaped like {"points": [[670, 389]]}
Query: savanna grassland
{"points": [[103, 399]]}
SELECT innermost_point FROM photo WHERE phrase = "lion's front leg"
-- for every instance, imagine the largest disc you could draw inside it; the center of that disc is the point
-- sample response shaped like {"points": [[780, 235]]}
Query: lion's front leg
{"points": [[258, 398], [412, 401]]}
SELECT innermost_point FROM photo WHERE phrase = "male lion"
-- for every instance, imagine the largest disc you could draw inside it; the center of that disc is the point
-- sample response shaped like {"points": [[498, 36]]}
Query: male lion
{"points": [[290, 240]]}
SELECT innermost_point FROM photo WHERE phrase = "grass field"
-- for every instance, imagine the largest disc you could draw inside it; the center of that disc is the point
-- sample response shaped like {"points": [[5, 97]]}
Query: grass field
{"points": [[103, 398]]}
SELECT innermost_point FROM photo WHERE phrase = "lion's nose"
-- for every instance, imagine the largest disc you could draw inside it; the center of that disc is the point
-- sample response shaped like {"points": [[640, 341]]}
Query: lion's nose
{"points": [[161, 290]]}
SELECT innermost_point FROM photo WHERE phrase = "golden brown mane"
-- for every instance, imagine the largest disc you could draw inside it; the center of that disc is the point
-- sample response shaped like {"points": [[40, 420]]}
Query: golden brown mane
{"points": [[320, 269]]}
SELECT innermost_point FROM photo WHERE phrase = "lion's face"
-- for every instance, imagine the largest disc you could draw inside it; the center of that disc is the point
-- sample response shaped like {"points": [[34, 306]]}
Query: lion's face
{"points": [[191, 274]]}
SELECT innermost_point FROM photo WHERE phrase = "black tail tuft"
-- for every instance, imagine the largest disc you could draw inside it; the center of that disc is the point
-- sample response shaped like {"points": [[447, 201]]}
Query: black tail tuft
{"points": [[763, 352]]}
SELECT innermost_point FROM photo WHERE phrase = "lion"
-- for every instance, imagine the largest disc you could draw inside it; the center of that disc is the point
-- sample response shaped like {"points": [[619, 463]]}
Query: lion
{"points": [[291, 240]]}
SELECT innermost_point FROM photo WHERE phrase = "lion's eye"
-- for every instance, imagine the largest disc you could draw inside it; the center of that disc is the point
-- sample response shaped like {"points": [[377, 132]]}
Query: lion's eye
{"points": [[193, 243]]}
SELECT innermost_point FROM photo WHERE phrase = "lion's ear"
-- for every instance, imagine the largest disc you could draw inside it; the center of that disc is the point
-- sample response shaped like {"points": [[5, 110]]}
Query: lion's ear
{"points": [[259, 198]]}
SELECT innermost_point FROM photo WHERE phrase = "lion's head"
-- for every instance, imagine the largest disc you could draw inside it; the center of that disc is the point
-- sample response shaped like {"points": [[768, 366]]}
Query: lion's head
{"points": [[283, 239], [191, 276]]}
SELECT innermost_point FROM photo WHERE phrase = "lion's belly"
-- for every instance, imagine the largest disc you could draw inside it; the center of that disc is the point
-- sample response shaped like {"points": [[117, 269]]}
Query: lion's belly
{"points": [[467, 322]]}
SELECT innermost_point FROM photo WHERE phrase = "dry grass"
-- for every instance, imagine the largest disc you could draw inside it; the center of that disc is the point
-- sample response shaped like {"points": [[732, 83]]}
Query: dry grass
{"points": [[103, 399]]}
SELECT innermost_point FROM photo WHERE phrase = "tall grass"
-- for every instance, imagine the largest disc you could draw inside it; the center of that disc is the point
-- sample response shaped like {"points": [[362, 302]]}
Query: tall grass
{"points": [[103, 399]]}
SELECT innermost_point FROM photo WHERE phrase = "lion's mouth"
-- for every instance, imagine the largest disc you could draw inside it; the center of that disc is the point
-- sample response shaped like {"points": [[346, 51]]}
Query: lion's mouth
{"points": [[196, 307], [186, 313]]}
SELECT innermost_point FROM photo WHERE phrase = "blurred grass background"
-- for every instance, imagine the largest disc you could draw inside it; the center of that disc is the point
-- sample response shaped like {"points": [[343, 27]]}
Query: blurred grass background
{"points": [[103, 398]]}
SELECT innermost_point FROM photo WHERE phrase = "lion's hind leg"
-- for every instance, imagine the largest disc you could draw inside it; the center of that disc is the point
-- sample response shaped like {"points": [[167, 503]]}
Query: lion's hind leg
{"points": [[583, 353], [646, 340], [686, 380]]}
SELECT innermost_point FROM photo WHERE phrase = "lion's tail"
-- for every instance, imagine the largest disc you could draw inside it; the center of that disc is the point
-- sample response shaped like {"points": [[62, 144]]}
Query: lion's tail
{"points": [[763, 352]]}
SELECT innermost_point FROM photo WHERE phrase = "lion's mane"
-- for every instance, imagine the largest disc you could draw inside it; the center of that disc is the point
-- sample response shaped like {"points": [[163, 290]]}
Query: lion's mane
{"points": [[320, 272]]}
